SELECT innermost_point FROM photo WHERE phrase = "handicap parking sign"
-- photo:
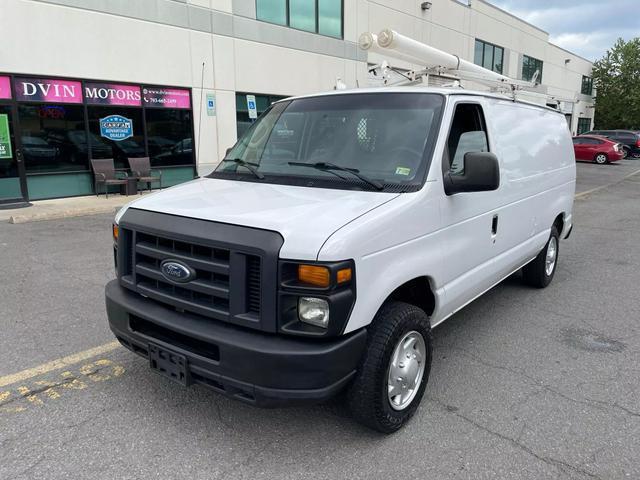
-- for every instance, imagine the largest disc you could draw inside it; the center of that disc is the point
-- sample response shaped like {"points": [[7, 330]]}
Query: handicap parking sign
{"points": [[211, 104], [251, 106]]}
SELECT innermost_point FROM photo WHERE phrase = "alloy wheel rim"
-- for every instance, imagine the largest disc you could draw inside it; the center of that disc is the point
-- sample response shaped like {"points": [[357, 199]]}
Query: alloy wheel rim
{"points": [[552, 253], [601, 159], [406, 370]]}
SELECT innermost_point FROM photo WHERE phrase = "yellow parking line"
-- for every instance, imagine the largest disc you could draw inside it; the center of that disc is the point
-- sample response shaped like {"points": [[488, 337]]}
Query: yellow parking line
{"points": [[602, 187], [57, 364]]}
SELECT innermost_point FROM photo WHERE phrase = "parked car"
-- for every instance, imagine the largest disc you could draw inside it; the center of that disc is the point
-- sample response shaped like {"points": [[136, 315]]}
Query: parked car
{"points": [[72, 145], [594, 148], [181, 153], [37, 152], [292, 273], [629, 139]]}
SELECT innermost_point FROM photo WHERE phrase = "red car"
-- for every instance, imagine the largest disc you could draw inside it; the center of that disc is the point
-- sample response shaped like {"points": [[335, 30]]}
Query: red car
{"points": [[594, 148]]}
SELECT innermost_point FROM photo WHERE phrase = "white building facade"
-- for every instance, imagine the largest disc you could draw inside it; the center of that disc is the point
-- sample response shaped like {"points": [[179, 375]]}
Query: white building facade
{"points": [[176, 80]]}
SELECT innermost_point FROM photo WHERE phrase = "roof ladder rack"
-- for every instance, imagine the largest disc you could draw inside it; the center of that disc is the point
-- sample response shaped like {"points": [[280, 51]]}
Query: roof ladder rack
{"points": [[436, 62]]}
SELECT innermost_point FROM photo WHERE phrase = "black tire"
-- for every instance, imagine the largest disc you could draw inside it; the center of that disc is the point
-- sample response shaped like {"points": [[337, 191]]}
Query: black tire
{"points": [[535, 272], [601, 158], [625, 152], [367, 395]]}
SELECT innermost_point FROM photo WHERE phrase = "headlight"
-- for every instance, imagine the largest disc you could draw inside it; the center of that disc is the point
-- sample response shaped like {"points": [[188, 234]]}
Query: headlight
{"points": [[314, 311]]}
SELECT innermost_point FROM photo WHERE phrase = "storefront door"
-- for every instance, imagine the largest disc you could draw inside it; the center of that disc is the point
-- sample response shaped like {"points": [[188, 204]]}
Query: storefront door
{"points": [[13, 186]]}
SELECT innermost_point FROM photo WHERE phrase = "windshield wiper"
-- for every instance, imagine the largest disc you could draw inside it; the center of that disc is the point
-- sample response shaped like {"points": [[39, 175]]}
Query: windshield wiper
{"points": [[332, 166], [248, 165]]}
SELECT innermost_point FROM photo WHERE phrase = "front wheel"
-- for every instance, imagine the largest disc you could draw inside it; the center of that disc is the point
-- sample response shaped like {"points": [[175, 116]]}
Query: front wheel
{"points": [[394, 370], [540, 271]]}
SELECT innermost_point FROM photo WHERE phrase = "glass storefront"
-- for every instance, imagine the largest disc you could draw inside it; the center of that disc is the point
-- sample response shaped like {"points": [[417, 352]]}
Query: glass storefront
{"points": [[56, 126], [169, 137], [105, 147], [53, 138]]}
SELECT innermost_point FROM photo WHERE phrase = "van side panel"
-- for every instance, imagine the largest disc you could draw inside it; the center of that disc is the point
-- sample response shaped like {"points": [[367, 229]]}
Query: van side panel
{"points": [[448, 239], [537, 169]]}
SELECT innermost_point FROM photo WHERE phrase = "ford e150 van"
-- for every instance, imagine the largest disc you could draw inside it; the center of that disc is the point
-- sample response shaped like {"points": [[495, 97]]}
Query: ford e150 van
{"points": [[331, 239]]}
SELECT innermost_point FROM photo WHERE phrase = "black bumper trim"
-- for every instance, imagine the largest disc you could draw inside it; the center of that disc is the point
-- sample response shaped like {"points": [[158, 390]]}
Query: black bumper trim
{"points": [[258, 368]]}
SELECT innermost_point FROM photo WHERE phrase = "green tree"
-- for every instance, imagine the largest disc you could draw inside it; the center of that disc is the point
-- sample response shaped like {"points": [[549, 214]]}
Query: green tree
{"points": [[617, 80]]}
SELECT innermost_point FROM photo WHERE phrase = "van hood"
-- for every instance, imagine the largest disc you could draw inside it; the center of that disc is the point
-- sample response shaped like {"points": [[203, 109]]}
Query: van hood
{"points": [[304, 216]]}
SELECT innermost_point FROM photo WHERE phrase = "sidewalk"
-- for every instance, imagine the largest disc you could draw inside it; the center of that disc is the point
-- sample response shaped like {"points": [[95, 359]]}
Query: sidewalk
{"points": [[65, 208]]}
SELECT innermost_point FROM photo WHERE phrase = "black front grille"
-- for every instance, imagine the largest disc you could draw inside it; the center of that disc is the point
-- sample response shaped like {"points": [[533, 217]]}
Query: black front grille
{"points": [[230, 263], [253, 284], [208, 294]]}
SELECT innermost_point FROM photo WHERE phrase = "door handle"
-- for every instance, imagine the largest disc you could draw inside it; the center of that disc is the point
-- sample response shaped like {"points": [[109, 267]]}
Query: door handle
{"points": [[18, 155], [494, 225]]}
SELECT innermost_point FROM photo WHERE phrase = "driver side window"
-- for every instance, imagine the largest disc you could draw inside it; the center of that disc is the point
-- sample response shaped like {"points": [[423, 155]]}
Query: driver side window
{"points": [[468, 134]]}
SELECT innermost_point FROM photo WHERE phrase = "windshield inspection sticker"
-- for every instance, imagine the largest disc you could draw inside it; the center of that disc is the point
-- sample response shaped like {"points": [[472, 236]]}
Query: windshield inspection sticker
{"points": [[403, 171]]}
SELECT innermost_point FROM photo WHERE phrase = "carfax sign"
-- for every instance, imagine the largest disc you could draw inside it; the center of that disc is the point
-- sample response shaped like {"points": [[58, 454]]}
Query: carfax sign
{"points": [[116, 127]]}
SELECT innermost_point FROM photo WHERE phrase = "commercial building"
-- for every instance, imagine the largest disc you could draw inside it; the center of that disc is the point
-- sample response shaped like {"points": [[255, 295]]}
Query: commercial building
{"points": [[178, 80]]}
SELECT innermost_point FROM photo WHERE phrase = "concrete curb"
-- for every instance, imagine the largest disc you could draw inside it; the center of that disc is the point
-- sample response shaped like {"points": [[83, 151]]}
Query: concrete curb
{"points": [[80, 212]]}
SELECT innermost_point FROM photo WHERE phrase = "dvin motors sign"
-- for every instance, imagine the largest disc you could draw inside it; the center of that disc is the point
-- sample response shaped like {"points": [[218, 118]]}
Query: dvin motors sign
{"points": [[47, 90], [116, 127]]}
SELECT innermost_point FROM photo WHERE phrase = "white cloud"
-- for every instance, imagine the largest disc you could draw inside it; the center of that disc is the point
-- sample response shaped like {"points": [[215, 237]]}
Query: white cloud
{"points": [[586, 27]]}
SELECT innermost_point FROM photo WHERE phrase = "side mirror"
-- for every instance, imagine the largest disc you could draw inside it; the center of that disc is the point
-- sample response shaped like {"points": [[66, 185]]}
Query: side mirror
{"points": [[226, 153], [480, 173]]}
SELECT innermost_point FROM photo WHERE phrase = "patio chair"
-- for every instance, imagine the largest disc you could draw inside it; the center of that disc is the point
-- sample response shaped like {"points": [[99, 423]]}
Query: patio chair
{"points": [[141, 170], [104, 172]]}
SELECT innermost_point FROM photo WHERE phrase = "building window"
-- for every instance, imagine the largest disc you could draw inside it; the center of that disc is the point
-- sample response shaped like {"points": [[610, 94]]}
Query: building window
{"points": [[530, 66], [53, 138], [587, 85], [243, 122], [584, 125], [489, 56], [272, 11], [330, 18], [169, 137], [316, 16], [120, 150]]}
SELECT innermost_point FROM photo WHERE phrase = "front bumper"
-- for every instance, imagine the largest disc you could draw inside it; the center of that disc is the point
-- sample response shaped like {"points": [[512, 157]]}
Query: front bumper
{"points": [[263, 369]]}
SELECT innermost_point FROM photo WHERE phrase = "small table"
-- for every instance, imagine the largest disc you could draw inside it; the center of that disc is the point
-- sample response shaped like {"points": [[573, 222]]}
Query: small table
{"points": [[129, 188]]}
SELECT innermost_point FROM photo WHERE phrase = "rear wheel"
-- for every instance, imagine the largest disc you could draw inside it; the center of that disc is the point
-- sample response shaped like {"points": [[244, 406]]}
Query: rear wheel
{"points": [[625, 152], [394, 370], [601, 159], [540, 271]]}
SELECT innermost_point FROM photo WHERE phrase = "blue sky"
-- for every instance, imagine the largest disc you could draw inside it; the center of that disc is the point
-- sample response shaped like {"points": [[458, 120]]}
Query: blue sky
{"points": [[586, 27]]}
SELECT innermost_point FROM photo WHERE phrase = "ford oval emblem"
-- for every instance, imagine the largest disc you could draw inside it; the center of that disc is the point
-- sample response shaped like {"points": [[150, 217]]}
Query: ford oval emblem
{"points": [[177, 271]]}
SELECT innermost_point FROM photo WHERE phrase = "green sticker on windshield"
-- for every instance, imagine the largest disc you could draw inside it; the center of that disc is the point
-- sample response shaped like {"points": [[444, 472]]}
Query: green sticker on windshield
{"points": [[403, 171]]}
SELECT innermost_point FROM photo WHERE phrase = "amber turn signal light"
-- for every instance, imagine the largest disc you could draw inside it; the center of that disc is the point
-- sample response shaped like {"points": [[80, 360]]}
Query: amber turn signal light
{"points": [[344, 275], [116, 232], [314, 275]]}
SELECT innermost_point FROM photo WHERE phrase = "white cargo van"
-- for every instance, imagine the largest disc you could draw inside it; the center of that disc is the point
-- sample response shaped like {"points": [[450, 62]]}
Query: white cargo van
{"points": [[337, 232]]}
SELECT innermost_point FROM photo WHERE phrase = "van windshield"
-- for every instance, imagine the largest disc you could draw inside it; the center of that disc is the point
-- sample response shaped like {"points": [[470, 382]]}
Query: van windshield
{"points": [[354, 141]]}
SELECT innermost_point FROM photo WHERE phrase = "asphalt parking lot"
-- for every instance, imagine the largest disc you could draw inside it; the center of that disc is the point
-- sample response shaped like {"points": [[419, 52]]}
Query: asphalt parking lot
{"points": [[525, 383]]}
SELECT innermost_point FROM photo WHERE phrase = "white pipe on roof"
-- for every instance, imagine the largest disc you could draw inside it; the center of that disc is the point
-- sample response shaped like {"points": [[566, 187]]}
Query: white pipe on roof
{"points": [[392, 43]]}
